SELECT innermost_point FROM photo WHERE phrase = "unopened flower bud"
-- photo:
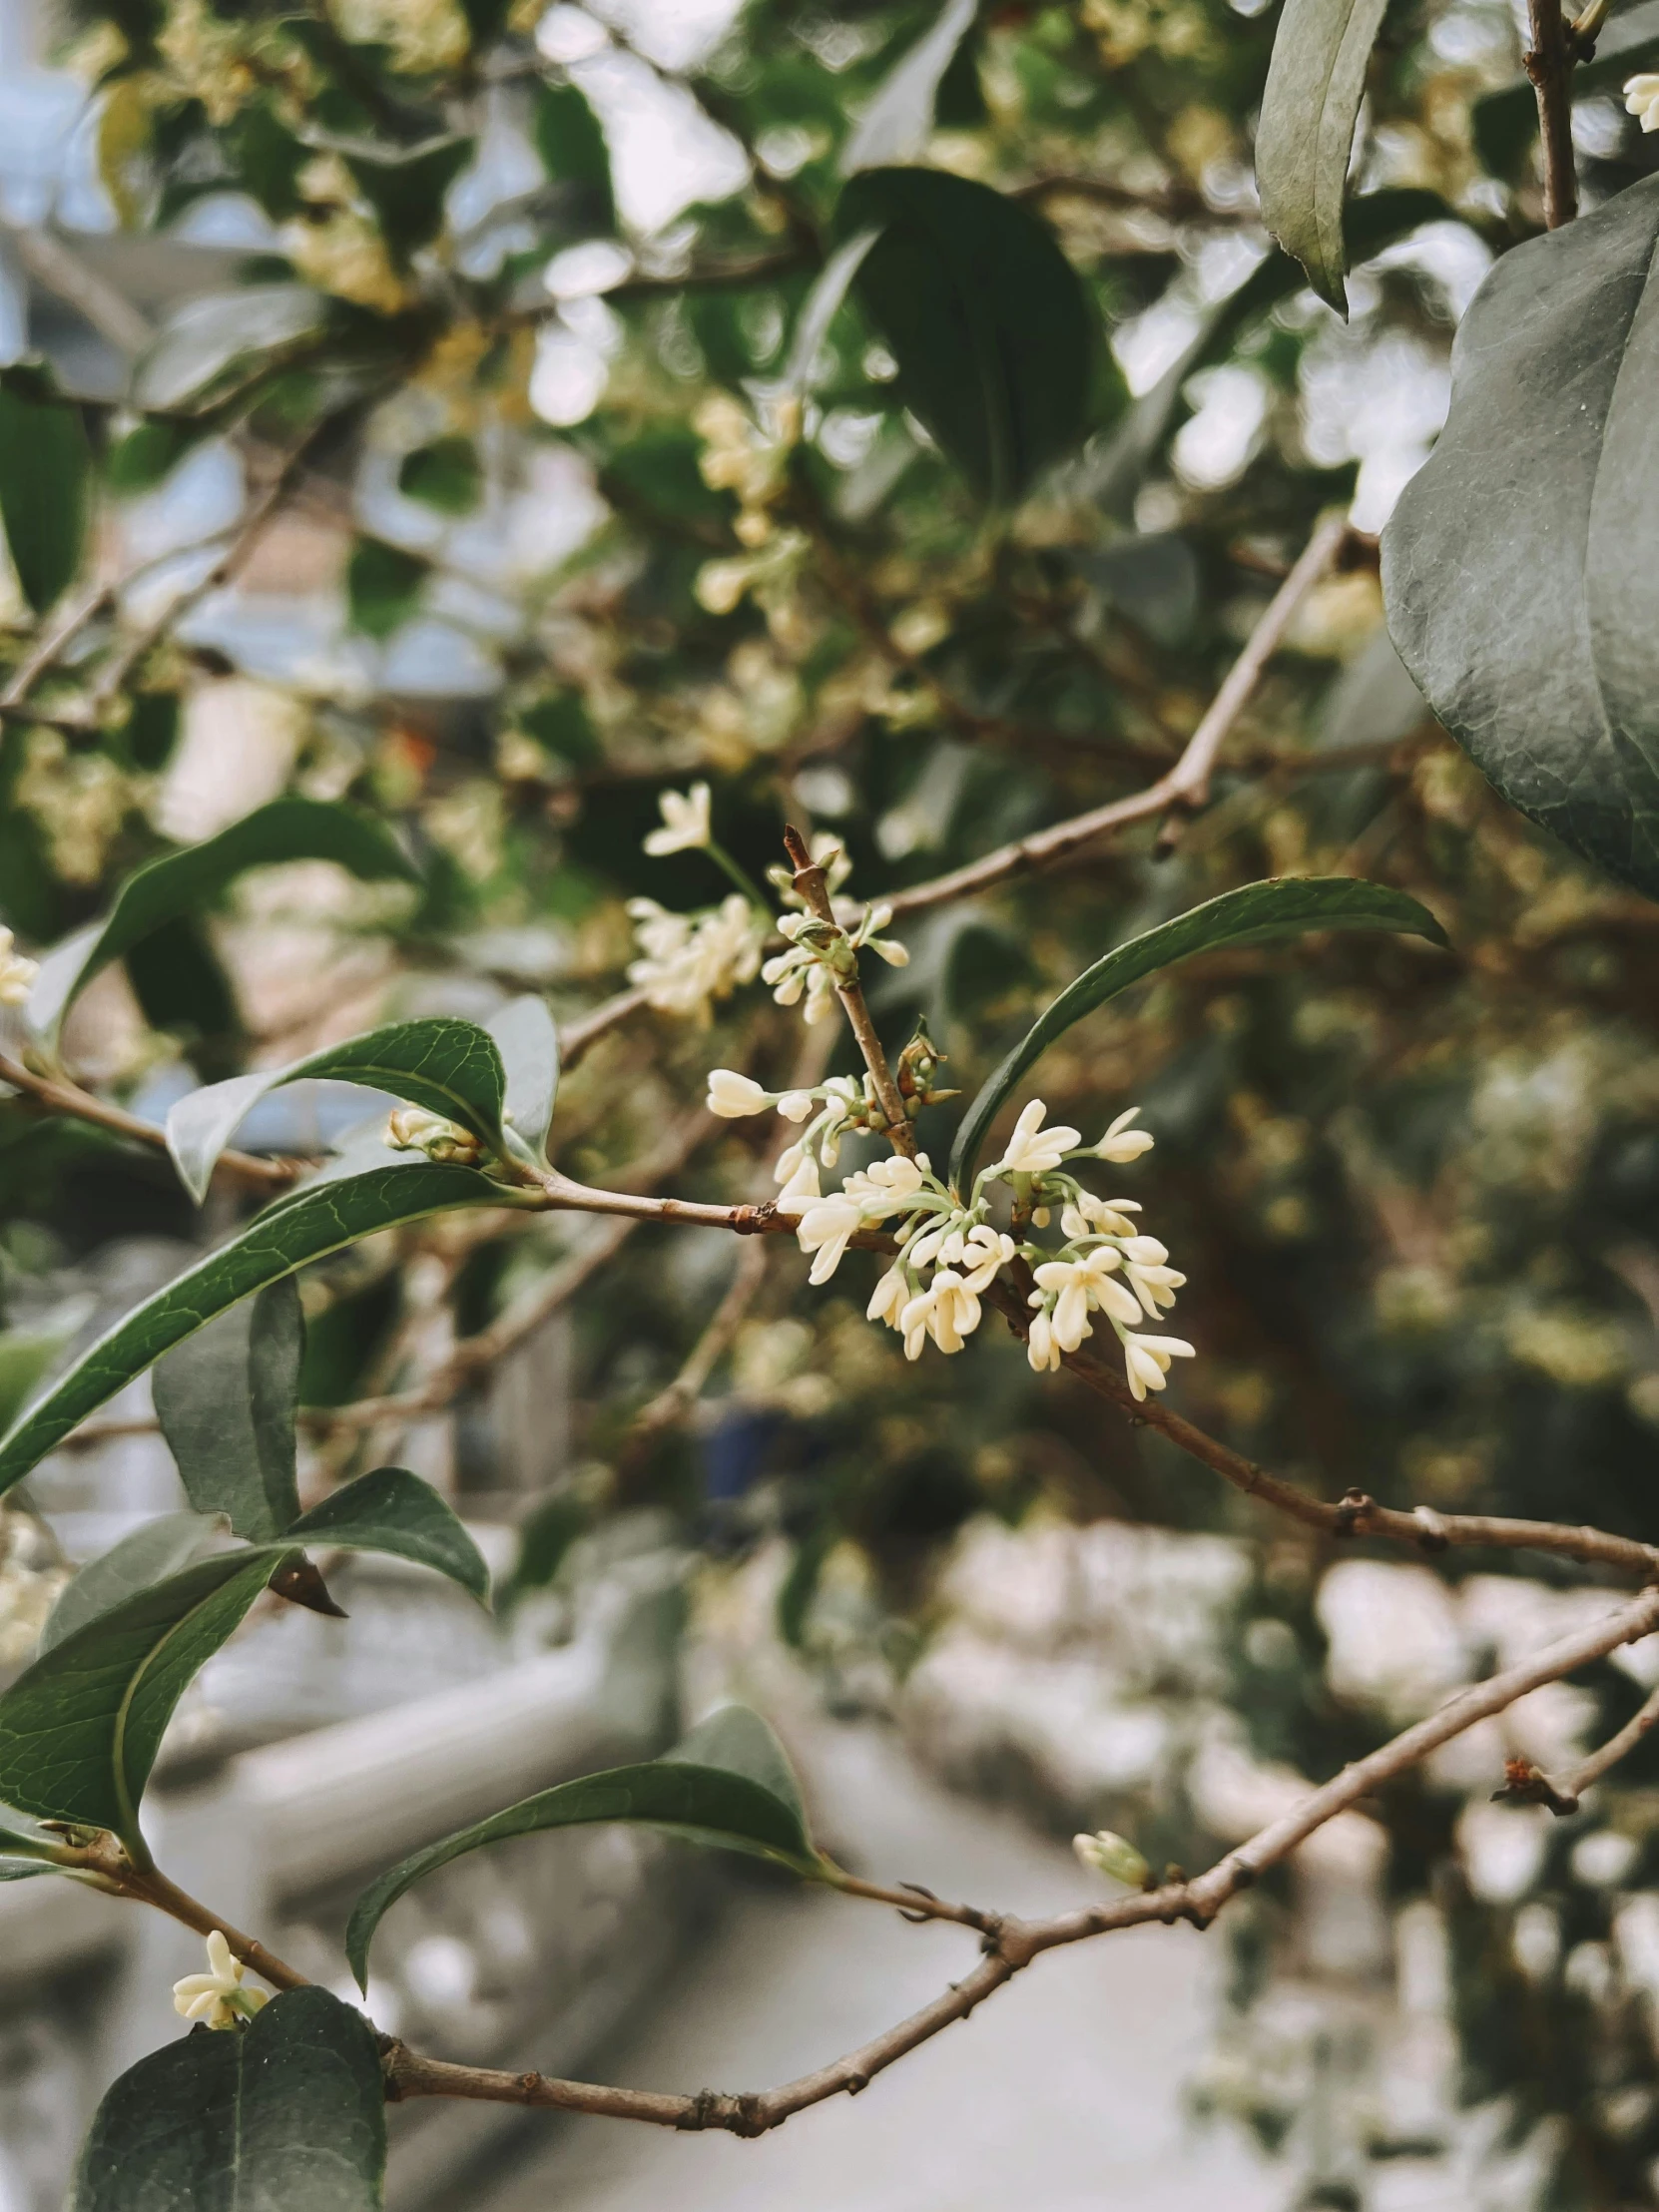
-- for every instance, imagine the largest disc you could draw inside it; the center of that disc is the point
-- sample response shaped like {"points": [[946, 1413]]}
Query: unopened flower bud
{"points": [[732, 1096], [413, 1129], [1113, 1855]]}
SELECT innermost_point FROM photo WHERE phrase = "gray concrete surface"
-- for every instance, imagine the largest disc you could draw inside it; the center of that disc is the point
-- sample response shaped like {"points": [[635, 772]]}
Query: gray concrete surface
{"points": [[1062, 2094]]}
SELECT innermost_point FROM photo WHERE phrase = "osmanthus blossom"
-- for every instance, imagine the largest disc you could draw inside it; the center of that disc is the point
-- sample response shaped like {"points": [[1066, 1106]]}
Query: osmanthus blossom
{"points": [[951, 1252], [1641, 98], [685, 822], [216, 1997], [689, 960], [17, 976]]}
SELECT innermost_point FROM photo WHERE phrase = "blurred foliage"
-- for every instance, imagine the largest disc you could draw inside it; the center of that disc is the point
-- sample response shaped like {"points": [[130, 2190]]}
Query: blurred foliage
{"points": [[588, 520]]}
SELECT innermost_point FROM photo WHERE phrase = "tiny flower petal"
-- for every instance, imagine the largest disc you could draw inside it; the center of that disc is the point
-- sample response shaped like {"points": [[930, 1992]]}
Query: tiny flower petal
{"points": [[685, 823]]}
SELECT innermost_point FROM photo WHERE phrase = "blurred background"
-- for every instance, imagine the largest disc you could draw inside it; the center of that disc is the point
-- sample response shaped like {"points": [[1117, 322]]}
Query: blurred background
{"points": [[438, 360]]}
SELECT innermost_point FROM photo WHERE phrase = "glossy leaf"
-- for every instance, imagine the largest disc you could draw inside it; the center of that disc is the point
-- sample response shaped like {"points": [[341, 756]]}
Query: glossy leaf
{"points": [[450, 1067], [993, 335], [25, 1356], [898, 121], [574, 154], [1256, 914], [80, 1729], [528, 1041], [1305, 137], [226, 1400], [728, 1784], [305, 1226], [149, 1554], [285, 2115], [45, 468], [1516, 568], [182, 883], [383, 584], [395, 1512]]}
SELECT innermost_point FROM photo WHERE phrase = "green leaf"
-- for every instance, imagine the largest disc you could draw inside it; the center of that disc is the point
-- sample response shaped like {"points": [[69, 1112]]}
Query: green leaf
{"points": [[528, 1041], [446, 474], [406, 189], [214, 348], [898, 121], [182, 883], [728, 1785], [149, 1554], [80, 1729], [308, 1225], [450, 1067], [1305, 137], [1518, 589], [993, 335], [1256, 914], [383, 586], [394, 1511], [286, 2114], [45, 466], [225, 1400], [574, 154]]}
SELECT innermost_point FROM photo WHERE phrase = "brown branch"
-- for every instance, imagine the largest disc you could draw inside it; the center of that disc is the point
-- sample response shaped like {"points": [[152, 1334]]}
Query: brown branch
{"points": [[68, 1098], [1184, 785], [1355, 1515], [1010, 1945], [814, 891], [84, 608], [1549, 63], [1527, 1784]]}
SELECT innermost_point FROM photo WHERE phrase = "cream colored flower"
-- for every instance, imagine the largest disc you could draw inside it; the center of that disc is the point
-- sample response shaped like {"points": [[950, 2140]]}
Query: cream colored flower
{"points": [[413, 1129], [796, 1105], [1078, 1286], [946, 1311], [1147, 1359], [797, 1172], [17, 976], [886, 1186], [1088, 1216], [686, 825], [732, 1096], [217, 1996], [691, 959], [1641, 98], [1040, 1347], [1035, 1150], [888, 1299], [824, 1230], [1121, 1144]]}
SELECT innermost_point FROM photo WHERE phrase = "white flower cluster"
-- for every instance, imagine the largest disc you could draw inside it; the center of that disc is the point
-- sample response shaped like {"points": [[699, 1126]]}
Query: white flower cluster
{"points": [[951, 1252], [821, 954], [17, 976], [217, 1996], [689, 960], [1641, 98]]}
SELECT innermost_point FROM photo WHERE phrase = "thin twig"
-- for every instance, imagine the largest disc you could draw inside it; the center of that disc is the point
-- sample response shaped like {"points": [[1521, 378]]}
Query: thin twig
{"points": [[1527, 1784], [1549, 63], [62, 271], [1184, 785], [814, 893], [69, 1098]]}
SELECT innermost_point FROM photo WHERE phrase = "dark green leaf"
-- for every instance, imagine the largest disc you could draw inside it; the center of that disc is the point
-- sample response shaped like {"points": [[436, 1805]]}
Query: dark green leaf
{"points": [[182, 883], [285, 2115], [45, 464], [573, 151], [728, 1785], [991, 329], [394, 1511], [1256, 914], [147, 454], [528, 1042], [406, 189], [450, 1067], [308, 1225], [383, 586], [446, 474], [79, 1730], [1519, 593], [563, 722], [1303, 140], [216, 346], [226, 1400], [149, 1554]]}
